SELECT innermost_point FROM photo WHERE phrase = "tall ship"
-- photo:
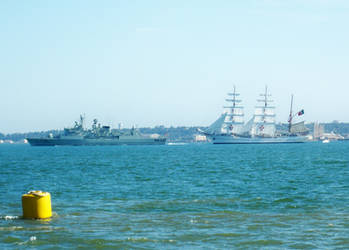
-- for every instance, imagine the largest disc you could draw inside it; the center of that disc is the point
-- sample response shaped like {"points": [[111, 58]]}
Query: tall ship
{"points": [[230, 128], [97, 135]]}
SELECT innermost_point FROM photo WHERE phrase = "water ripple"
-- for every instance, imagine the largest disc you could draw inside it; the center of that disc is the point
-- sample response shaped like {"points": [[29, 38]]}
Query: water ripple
{"points": [[179, 196]]}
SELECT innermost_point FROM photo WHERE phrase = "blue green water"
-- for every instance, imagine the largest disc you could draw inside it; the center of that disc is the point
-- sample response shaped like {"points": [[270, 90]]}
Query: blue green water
{"points": [[179, 196]]}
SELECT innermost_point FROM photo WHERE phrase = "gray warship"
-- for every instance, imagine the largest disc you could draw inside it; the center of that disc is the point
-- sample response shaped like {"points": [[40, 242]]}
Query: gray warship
{"points": [[97, 135]]}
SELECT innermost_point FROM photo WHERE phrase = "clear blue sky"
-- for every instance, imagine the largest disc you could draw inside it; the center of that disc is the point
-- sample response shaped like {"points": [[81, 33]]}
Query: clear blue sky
{"points": [[169, 62]]}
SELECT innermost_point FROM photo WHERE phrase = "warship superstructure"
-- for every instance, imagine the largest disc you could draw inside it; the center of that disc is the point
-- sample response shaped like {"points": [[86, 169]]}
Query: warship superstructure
{"points": [[97, 135], [229, 128]]}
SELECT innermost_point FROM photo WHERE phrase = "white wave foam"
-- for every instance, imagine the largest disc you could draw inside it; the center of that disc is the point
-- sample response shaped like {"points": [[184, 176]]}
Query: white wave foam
{"points": [[31, 239], [9, 217]]}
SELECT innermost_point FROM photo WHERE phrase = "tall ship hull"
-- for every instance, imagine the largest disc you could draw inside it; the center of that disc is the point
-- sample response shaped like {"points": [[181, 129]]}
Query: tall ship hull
{"points": [[98, 135], [227, 139]]}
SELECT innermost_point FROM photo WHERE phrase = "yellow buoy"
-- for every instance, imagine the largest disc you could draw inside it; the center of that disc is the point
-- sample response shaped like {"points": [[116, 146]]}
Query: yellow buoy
{"points": [[36, 205]]}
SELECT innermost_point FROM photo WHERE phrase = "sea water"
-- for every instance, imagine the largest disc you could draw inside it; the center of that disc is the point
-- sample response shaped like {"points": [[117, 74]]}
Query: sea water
{"points": [[196, 196]]}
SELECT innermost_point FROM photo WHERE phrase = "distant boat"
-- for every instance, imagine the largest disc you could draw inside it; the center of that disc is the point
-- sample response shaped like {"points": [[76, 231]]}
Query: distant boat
{"points": [[176, 143], [326, 141], [98, 135], [229, 128]]}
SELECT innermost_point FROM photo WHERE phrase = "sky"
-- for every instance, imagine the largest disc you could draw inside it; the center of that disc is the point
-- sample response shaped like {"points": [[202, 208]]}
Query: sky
{"points": [[171, 63]]}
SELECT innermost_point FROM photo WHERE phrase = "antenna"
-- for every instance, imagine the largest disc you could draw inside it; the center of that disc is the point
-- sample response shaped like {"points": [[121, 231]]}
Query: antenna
{"points": [[82, 118]]}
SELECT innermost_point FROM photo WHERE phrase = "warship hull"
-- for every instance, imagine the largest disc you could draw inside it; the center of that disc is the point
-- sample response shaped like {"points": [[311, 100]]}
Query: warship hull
{"points": [[227, 139], [94, 142]]}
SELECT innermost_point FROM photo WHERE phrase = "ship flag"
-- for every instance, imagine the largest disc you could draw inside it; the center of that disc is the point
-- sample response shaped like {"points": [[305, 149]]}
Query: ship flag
{"points": [[301, 112]]}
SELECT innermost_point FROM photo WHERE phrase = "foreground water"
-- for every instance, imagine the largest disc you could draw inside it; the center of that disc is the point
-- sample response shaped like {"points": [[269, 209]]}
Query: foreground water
{"points": [[179, 196]]}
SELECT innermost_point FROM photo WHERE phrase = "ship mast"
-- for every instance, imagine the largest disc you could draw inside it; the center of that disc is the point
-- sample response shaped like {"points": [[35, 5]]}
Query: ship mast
{"points": [[82, 118], [266, 107], [234, 115], [291, 116], [295, 128], [264, 117]]}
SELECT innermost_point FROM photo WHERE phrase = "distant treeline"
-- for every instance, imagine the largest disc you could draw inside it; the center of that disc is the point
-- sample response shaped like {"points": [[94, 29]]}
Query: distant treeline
{"points": [[21, 136], [179, 133]]}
